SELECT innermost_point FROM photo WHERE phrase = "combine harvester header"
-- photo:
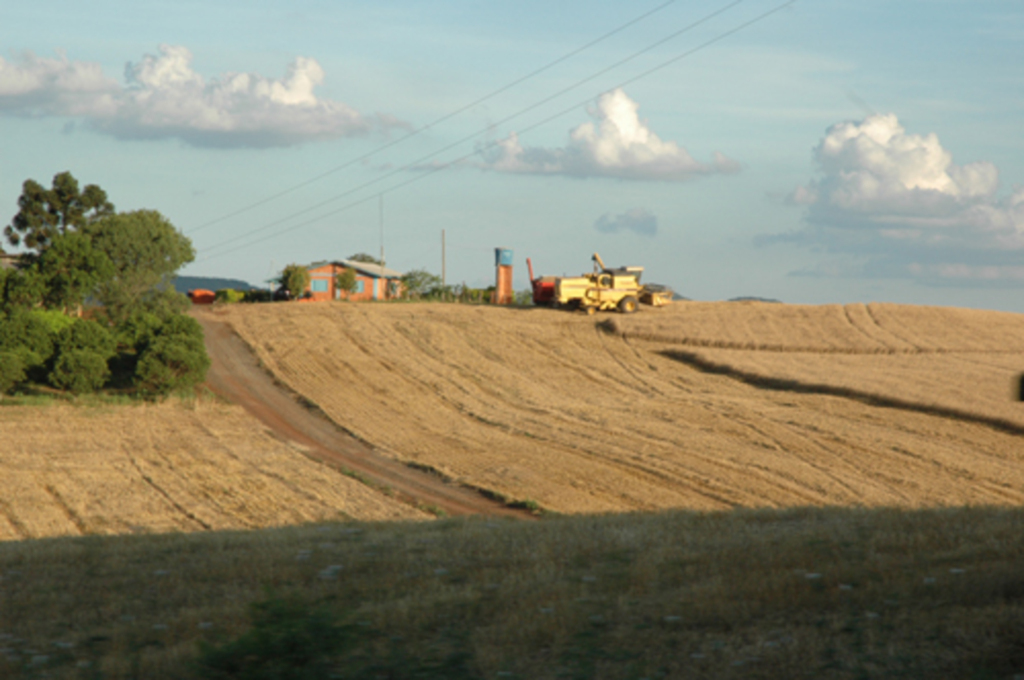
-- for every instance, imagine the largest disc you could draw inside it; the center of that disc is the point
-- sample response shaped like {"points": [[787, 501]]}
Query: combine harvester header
{"points": [[605, 289]]}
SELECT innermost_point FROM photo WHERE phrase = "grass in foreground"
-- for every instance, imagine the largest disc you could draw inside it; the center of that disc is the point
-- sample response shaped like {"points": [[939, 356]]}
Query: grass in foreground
{"points": [[819, 593]]}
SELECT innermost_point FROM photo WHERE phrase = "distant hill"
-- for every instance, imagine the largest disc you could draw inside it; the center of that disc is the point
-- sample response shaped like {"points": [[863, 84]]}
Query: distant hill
{"points": [[183, 284], [748, 298]]}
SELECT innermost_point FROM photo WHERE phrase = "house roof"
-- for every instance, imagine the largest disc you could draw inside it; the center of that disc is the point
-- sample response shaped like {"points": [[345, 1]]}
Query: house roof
{"points": [[374, 270]]}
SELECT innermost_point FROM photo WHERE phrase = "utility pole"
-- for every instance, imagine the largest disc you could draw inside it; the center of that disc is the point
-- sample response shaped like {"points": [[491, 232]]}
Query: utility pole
{"points": [[443, 277], [381, 202]]}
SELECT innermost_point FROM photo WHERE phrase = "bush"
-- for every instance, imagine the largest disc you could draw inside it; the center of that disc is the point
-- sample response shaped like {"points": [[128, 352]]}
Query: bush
{"points": [[294, 640], [87, 335], [83, 350], [185, 328], [137, 331], [257, 295], [55, 321], [228, 296], [27, 335], [12, 371], [79, 371], [288, 640], [171, 363]]}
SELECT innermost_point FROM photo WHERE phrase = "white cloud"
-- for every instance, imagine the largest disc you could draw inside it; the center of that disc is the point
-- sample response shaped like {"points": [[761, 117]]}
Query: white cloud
{"points": [[619, 145], [899, 200], [637, 220], [37, 86], [164, 97]]}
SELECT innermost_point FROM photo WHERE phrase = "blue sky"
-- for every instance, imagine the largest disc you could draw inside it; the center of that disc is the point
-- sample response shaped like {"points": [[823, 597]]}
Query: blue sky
{"points": [[831, 152]]}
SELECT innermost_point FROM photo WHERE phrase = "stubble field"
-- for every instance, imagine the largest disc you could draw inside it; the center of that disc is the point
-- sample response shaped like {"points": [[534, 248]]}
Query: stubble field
{"points": [[698, 406], [170, 467]]}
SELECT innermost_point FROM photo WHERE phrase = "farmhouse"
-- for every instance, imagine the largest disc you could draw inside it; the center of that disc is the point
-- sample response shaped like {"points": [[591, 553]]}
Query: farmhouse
{"points": [[373, 281]]}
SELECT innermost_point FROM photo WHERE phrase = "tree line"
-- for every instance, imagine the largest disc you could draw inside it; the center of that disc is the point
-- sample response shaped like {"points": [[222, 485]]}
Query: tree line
{"points": [[89, 303]]}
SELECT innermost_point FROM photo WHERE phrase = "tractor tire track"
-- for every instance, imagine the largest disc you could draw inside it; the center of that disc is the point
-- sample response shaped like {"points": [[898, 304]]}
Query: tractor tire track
{"points": [[72, 516], [166, 496]]}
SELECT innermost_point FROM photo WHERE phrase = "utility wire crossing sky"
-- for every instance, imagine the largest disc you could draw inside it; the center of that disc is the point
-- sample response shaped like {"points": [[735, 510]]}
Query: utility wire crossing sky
{"points": [[806, 151]]}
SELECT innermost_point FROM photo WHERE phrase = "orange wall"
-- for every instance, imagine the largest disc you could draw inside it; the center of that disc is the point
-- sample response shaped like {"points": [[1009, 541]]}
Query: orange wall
{"points": [[329, 272]]}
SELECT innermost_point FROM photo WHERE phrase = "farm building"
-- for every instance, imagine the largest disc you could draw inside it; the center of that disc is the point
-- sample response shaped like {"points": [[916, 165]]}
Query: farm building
{"points": [[373, 281]]}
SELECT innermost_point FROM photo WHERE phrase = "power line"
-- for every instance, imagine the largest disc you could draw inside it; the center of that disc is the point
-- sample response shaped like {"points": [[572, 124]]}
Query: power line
{"points": [[448, 116], [419, 161], [430, 171]]}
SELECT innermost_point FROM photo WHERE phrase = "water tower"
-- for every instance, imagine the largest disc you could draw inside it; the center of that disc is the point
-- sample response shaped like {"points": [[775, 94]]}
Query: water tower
{"points": [[503, 276]]}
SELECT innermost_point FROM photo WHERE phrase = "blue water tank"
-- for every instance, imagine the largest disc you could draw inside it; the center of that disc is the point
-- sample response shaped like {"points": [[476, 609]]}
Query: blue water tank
{"points": [[503, 257]]}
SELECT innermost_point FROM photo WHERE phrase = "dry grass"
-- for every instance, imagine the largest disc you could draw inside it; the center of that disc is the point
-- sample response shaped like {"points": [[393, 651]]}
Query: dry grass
{"points": [[813, 593], [963, 361], [855, 328], [69, 470], [549, 406]]}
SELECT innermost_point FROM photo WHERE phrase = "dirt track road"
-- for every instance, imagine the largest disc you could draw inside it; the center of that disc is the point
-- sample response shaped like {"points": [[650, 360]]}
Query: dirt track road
{"points": [[236, 376]]}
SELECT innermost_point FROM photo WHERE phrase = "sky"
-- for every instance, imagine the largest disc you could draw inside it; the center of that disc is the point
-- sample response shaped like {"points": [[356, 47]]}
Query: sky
{"points": [[812, 152]]}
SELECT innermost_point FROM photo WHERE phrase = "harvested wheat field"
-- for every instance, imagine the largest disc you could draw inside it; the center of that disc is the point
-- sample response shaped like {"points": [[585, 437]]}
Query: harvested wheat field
{"points": [[71, 470], [958, 362], [903, 406]]}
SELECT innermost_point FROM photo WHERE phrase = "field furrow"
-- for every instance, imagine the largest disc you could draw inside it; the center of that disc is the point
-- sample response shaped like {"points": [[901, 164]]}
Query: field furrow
{"points": [[161, 468]]}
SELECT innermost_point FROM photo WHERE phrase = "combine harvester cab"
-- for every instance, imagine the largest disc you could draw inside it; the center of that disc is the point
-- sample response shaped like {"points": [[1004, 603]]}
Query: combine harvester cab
{"points": [[605, 289]]}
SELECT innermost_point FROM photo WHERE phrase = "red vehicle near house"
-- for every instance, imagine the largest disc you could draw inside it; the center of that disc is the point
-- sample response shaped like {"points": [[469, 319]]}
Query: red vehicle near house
{"points": [[201, 296]]}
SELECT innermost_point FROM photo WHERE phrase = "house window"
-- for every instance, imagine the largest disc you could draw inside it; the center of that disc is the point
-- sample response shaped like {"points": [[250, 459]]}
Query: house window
{"points": [[320, 285], [360, 286]]}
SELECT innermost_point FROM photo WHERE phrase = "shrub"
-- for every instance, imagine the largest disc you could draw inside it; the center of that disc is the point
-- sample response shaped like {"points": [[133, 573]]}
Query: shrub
{"points": [[138, 330], [288, 640], [83, 350], [91, 336], [79, 371], [229, 295], [171, 363], [294, 640], [55, 321], [27, 335], [257, 295], [12, 371], [187, 329]]}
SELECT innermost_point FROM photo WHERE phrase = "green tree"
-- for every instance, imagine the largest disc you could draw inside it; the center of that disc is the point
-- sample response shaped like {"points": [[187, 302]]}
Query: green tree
{"points": [[28, 335], [12, 371], [295, 279], [346, 281], [364, 257], [420, 283], [172, 358], [85, 334], [43, 214], [84, 350], [80, 371], [71, 269], [20, 288], [146, 251]]}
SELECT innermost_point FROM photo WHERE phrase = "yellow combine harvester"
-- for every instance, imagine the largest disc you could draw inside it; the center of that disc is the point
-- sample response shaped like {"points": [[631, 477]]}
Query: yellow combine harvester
{"points": [[608, 289]]}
